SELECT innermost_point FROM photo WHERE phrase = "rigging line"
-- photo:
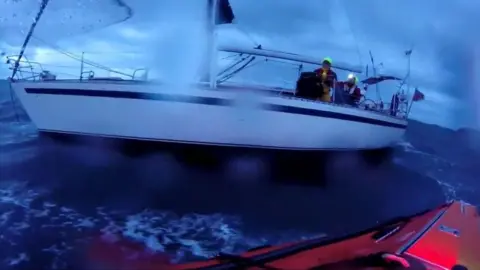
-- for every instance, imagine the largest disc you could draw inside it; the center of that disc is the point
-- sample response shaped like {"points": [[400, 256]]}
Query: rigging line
{"points": [[248, 35], [91, 52], [243, 67], [30, 64], [43, 5], [360, 58], [91, 63], [59, 66], [231, 56], [78, 58], [75, 57], [71, 55], [232, 66]]}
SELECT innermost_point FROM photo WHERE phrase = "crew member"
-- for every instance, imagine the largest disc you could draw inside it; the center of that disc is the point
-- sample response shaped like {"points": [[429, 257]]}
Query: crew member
{"points": [[352, 92], [327, 78]]}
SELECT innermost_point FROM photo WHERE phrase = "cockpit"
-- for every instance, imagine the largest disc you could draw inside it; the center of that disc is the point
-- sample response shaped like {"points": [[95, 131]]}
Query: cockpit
{"points": [[349, 93]]}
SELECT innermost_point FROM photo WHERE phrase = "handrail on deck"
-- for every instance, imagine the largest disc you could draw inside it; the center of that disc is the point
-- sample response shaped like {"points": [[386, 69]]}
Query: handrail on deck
{"points": [[29, 70], [145, 74], [90, 73], [26, 69]]}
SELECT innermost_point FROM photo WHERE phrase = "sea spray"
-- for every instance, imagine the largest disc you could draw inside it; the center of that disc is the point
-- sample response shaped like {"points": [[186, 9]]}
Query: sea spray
{"points": [[178, 47]]}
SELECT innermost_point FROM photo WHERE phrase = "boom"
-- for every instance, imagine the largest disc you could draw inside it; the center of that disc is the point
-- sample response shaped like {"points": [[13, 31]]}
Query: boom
{"points": [[258, 51]]}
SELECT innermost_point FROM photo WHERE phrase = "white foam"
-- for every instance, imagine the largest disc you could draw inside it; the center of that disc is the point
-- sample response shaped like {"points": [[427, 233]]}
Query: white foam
{"points": [[198, 235], [22, 257]]}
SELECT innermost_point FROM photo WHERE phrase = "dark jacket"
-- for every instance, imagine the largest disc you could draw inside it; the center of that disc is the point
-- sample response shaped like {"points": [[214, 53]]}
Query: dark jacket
{"points": [[353, 91]]}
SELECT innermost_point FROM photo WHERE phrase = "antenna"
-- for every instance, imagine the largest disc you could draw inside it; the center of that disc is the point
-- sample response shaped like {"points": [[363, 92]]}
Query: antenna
{"points": [[374, 69], [43, 5], [407, 77]]}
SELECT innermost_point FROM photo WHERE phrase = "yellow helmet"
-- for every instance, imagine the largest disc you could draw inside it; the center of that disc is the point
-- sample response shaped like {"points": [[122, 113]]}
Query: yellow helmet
{"points": [[328, 60]]}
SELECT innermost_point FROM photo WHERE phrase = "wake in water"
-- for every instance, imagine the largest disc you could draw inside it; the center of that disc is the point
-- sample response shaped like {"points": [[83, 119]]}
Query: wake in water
{"points": [[190, 236]]}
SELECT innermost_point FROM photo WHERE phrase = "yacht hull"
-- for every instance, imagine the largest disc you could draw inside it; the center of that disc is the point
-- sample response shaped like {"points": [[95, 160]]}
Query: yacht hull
{"points": [[236, 118]]}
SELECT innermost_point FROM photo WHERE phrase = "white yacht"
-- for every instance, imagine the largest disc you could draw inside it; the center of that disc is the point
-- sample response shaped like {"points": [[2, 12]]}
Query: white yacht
{"points": [[210, 113]]}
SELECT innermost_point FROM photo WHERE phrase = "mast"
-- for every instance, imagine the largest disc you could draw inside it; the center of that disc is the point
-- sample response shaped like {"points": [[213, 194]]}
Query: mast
{"points": [[212, 42], [43, 5]]}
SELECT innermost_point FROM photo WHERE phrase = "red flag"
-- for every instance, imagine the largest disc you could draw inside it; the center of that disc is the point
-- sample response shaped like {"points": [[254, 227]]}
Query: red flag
{"points": [[418, 96]]}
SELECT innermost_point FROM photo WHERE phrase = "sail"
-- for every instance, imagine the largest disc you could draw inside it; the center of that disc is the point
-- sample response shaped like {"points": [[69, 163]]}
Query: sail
{"points": [[61, 19], [224, 12]]}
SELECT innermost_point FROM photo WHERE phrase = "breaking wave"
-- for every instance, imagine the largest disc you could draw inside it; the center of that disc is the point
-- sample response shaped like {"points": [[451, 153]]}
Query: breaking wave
{"points": [[26, 210]]}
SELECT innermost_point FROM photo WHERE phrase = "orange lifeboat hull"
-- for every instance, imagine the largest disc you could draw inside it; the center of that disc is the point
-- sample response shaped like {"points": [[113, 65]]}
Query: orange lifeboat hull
{"points": [[442, 238]]}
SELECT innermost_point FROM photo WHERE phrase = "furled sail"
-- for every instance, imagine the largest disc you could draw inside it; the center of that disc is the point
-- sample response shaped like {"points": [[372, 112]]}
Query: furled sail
{"points": [[224, 12]]}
